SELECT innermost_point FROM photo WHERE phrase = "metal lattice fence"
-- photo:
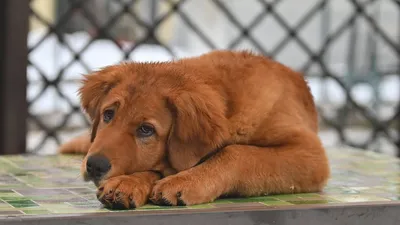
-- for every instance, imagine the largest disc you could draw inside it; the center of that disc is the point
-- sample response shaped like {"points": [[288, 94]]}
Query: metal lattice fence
{"points": [[349, 50]]}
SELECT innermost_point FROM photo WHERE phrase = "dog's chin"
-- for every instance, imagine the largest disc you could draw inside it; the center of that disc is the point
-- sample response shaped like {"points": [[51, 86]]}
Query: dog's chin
{"points": [[96, 181]]}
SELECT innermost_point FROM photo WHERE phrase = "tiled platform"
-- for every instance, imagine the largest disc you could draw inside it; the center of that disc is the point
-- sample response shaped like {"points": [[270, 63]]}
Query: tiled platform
{"points": [[45, 187]]}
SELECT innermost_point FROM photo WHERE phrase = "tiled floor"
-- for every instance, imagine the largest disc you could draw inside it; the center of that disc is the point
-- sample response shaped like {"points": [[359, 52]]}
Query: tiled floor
{"points": [[38, 185]]}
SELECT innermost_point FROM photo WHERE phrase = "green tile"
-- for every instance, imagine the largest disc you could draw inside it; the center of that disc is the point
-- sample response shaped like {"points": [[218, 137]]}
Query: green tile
{"points": [[336, 190], [312, 197], [9, 195], [358, 198], [171, 207], [55, 206], [350, 192], [276, 203], [12, 186], [149, 209], [158, 208], [394, 198], [202, 206], [222, 201], [10, 213], [312, 202], [85, 203], [77, 211], [22, 203], [36, 212], [252, 199], [37, 185], [4, 208], [308, 195], [15, 198], [291, 197], [150, 206]]}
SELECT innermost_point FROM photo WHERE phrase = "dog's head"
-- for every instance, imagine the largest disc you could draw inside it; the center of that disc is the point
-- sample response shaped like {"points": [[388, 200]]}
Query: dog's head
{"points": [[141, 112]]}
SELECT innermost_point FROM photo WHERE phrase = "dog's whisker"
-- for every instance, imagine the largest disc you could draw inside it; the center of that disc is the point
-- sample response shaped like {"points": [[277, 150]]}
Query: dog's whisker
{"points": [[78, 177]]}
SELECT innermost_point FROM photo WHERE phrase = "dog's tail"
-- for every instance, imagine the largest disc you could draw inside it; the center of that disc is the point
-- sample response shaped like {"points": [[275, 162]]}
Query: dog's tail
{"points": [[78, 145]]}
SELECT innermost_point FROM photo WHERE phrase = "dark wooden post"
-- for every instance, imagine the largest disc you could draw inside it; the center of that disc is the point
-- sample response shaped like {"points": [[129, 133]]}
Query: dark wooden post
{"points": [[398, 129], [14, 25], [397, 118]]}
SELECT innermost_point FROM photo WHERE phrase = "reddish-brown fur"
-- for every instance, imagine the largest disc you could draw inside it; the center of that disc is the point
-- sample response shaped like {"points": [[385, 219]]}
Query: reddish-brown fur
{"points": [[257, 112]]}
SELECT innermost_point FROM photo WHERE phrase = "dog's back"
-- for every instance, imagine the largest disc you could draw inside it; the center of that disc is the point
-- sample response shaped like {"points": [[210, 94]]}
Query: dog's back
{"points": [[260, 94]]}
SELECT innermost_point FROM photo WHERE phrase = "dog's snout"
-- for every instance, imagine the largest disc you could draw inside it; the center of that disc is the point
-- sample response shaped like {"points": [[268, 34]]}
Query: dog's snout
{"points": [[97, 166]]}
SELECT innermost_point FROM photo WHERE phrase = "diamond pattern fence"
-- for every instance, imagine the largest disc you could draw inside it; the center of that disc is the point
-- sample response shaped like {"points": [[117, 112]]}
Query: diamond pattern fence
{"points": [[349, 50]]}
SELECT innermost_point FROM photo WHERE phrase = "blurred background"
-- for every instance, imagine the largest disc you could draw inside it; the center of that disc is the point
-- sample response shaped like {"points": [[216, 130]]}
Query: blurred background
{"points": [[349, 51]]}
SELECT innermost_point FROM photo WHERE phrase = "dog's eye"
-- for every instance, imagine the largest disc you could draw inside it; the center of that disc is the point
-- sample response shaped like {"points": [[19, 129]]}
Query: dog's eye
{"points": [[108, 115], [145, 130]]}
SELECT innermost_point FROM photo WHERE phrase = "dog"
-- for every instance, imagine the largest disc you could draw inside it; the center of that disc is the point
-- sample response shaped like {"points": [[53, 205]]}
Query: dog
{"points": [[190, 131]]}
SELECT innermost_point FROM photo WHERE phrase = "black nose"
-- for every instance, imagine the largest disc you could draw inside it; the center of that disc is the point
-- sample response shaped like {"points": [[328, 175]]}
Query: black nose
{"points": [[97, 166]]}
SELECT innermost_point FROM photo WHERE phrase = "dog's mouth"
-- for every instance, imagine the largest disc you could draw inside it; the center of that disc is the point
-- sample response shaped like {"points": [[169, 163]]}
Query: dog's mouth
{"points": [[96, 180]]}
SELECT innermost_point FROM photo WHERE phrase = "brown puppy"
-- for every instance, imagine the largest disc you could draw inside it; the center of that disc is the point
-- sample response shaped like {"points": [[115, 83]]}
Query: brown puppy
{"points": [[192, 130]]}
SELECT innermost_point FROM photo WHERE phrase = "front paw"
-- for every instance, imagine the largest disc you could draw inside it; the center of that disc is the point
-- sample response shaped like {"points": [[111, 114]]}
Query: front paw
{"points": [[184, 189], [124, 192]]}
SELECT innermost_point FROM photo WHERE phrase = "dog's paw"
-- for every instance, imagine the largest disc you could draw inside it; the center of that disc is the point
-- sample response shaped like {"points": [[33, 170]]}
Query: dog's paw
{"points": [[183, 189], [124, 192]]}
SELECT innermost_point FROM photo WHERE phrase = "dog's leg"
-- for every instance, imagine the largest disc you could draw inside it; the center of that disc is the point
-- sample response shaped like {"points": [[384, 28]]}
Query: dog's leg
{"points": [[78, 145], [244, 170], [127, 191]]}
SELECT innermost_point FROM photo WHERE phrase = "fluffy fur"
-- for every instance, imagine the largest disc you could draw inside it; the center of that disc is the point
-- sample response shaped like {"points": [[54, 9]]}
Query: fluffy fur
{"points": [[227, 124]]}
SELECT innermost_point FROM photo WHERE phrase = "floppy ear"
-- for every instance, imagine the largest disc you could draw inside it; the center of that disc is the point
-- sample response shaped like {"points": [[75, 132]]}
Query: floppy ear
{"points": [[199, 117], [95, 87]]}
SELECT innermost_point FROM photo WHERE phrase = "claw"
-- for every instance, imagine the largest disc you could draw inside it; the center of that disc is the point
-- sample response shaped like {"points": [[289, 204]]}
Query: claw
{"points": [[181, 202], [132, 204], [165, 202], [118, 206]]}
